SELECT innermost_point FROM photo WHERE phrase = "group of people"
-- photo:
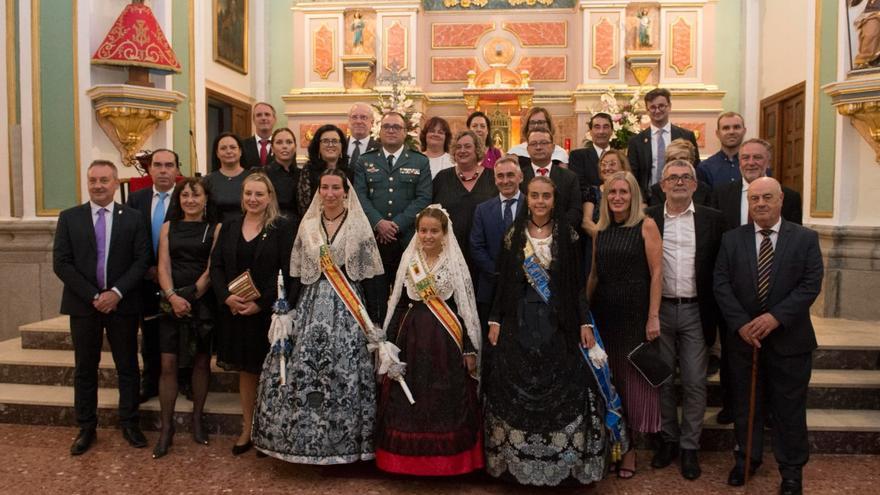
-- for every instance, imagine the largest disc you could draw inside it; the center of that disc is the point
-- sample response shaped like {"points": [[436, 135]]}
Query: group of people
{"points": [[453, 309]]}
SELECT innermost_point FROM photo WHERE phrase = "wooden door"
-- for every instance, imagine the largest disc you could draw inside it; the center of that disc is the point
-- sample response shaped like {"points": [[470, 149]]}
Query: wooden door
{"points": [[225, 114], [782, 124]]}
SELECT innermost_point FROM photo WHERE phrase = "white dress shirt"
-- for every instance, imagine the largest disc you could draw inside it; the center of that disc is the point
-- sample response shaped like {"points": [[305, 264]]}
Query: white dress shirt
{"points": [[744, 204], [512, 205], [773, 237], [108, 231], [679, 253], [549, 168], [155, 201], [363, 146], [396, 154], [667, 138]]}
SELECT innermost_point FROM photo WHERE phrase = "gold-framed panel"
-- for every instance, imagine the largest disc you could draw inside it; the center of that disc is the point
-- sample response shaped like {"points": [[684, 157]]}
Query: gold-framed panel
{"points": [[243, 68], [314, 37], [564, 68], [454, 47], [691, 44], [193, 140], [449, 81], [76, 133], [506, 27], [814, 166], [36, 100], [406, 34], [11, 85], [614, 48]]}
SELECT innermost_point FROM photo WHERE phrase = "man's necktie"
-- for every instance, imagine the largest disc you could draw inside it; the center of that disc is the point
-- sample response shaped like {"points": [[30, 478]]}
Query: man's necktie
{"points": [[508, 212], [765, 264], [264, 151], [543, 171], [158, 220], [661, 155], [391, 161], [355, 153], [101, 241]]}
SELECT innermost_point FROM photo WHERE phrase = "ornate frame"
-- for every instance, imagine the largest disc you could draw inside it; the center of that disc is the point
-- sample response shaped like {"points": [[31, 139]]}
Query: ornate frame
{"points": [[221, 58]]}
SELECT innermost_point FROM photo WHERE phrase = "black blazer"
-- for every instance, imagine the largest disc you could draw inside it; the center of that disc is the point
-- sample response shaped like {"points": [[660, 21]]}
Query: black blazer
{"points": [[372, 144], [272, 254], [485, 243], [568, 190], [702, 196], [795, 282], [75, 259], [142, 201], [728, 199], [250, 153], [585, 163], [709, 227], [640, 155]]}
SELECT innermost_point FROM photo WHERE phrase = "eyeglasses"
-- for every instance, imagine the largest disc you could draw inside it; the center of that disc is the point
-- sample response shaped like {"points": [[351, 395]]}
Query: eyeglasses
{"points": [[330, 142], [537, 123], [673, 179], [540, 143], [392, 127], [658, 108]]}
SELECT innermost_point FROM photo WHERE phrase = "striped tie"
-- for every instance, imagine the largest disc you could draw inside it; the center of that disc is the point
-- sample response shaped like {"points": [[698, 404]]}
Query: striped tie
{"points": [[765, 264]]}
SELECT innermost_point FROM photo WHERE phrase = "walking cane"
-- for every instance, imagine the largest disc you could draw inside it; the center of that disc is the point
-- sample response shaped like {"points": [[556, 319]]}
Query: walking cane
{"points": [[751, 421]]}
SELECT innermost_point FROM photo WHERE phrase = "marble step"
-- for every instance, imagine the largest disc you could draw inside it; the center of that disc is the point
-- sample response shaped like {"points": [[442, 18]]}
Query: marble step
{"points": [[843, 344], [831, 431], [56, 367]]}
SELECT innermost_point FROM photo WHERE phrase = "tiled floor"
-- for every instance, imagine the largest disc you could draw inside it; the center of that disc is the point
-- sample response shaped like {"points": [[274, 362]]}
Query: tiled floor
{"points": [[36, 461]]}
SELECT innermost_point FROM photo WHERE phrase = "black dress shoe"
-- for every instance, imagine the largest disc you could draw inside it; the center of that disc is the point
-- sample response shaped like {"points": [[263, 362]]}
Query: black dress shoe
{"points": [[664, 455], [713, 365], [724, 417], [790, 487], [241, 449], [737, 476], [165, 441], [84, 440], [147, 394], [690, 466], [199, 434], [134, 436]]}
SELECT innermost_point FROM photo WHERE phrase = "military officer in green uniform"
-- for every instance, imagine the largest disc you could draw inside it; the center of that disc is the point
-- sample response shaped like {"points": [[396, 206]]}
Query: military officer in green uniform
{"points": [[393, 184]]}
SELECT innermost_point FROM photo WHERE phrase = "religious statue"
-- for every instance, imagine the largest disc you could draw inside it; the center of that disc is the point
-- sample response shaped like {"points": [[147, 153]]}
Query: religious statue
{"points": [[868, 24], [357, 28], [644, 29]]}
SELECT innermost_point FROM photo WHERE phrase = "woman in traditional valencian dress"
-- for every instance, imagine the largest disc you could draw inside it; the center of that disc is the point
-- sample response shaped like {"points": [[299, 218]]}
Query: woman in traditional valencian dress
{"points": [[435, 324], [544, 421], [322, 410]]}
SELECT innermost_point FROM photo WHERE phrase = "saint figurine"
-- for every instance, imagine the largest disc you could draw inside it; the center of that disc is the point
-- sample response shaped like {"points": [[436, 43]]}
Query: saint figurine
{"points": [[868, 24], [644, 29], [357, 28]]}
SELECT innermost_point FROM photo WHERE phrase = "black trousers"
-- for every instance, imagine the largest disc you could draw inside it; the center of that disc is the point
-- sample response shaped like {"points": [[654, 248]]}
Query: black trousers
{"points": [[727, 398], [377, 290], [87, 333], [150, 353], [781, 390]]}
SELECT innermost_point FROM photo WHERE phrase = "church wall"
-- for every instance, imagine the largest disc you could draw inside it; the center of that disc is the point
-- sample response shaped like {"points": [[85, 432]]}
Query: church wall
{"points": [[218, 76], [282, 57], [783, 58], [727, 61], [7, 119]]}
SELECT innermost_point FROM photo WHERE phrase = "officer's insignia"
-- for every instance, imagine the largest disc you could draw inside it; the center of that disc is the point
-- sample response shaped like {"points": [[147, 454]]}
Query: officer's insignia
{"points": [[371, 168], [410, 171]]}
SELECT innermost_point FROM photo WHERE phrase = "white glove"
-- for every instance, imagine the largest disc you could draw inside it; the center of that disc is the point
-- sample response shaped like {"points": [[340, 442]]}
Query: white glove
{"points": [[597, 356]]}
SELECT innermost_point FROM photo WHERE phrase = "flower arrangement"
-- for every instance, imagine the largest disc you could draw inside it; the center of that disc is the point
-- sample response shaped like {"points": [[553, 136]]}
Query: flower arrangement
{"points": [[398, 101], [627, 119]]}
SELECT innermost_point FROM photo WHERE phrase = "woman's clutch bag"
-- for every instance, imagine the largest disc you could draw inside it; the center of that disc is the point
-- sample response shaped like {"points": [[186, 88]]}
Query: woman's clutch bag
{"points": [[243, 286]]}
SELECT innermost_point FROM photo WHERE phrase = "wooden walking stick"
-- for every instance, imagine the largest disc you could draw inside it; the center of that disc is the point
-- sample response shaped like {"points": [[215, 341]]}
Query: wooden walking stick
{"points": [[751, 421]]}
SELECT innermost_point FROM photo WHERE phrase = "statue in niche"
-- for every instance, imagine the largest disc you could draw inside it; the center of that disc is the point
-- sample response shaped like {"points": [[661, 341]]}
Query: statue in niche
{"points": [[868, 25], [357, 29], [644, 29]]}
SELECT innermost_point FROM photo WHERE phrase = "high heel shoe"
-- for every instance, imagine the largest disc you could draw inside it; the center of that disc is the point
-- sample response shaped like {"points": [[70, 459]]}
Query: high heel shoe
{"points": [[241, 449], [199, 434], [161, 448]]}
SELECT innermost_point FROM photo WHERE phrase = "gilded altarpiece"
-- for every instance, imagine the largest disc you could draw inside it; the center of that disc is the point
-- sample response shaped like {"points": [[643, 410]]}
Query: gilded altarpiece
{"points": [[565, 54]]}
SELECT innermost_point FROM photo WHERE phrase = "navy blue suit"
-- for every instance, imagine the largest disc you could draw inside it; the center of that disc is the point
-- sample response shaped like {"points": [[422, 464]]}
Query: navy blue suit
{"points": [[486, 234]]}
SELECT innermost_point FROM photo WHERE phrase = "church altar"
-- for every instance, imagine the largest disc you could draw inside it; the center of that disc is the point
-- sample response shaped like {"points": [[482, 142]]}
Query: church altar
{"points": [[501, 57]]}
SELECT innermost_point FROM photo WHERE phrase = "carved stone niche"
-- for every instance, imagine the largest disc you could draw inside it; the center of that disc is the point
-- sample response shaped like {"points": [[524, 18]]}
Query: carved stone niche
{"points": [[859, 99]]}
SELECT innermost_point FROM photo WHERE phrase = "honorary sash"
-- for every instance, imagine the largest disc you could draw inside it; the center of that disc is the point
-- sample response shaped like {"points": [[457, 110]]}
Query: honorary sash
{"points": [[344, 290], [423, 281], [538, 277]]}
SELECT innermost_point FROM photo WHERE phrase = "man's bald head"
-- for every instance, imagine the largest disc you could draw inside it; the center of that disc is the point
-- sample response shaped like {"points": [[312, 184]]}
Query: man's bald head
{"points": [[765, 201]]}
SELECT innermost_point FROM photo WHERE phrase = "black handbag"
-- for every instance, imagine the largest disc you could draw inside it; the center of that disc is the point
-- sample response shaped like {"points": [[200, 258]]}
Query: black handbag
{"points": [[647, 360]]}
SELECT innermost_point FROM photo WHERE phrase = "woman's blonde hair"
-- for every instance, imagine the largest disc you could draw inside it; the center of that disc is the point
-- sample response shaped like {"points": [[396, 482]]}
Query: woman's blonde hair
{"points": [[635, 202], [621, 157], [272, 211], [679, 145]]}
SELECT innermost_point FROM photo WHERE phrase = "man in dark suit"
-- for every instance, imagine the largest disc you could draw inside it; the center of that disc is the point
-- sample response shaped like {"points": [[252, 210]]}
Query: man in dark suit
{"points": [[568, 192], [100, 254], [393, 184], [585, 161], [754, 160], [647, 149], [688, 312], [153, 203], [730, 199], [256, 150], [766, 278], [360, 123], [491, 220]]}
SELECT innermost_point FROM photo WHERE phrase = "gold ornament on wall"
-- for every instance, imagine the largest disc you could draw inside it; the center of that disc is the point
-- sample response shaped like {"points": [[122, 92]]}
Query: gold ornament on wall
{"points": [[858, 100]]}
